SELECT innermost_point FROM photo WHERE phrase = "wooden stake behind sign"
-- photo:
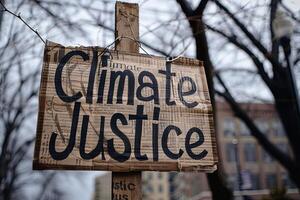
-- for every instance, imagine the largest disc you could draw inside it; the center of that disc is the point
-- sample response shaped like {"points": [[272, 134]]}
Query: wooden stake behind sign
{"points": [[127, 185]]}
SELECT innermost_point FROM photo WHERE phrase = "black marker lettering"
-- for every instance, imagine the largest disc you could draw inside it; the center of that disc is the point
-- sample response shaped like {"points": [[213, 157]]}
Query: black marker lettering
{"points": [[64, 154], [139, 117], [99, 147], [131, 86], [164, 142], [58, 84], [131, 186], [187, 93], [143, 85], [101, 86], [89, 93], [169, 75], [189, 146], [155, 134], [121, 157]]}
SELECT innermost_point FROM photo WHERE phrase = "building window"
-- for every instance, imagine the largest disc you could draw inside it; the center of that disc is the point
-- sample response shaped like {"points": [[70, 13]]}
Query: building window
{"points": [[160, 188], [262, 125], [149, 189], [277, 128], [230, 152], [159, 175], [255, 181], [286, 181], [244, 129], [246, 180], [233, 182], [271, 181], [267, 158], [250, 152], [229, 127], [283, 147]]}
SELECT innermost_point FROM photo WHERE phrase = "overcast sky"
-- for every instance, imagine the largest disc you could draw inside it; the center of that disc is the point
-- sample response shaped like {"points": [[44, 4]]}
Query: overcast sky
{"points": [[152, 14]]}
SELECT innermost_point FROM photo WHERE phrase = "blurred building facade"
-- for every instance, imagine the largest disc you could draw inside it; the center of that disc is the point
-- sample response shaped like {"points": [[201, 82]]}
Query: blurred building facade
{"points": [[156, 185], [258, 170], [240, 156]]}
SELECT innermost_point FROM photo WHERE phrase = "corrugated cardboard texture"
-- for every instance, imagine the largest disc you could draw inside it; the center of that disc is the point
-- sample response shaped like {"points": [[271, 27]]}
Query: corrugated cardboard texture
{"points": [[55, 115]]}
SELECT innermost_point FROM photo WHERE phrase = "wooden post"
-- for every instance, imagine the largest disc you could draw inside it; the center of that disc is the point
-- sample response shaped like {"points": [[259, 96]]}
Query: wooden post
{"points": [[127, 25], [127, 184]]}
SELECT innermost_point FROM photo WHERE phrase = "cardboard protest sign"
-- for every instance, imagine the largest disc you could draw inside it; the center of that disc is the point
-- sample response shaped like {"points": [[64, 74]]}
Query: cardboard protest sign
{"points": [[116, 111]]}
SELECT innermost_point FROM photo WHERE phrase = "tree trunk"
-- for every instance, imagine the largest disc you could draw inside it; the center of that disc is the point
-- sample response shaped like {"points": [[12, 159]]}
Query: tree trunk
{"points": [[287, 110], [286, 107], [1, 15], [215, 180]]}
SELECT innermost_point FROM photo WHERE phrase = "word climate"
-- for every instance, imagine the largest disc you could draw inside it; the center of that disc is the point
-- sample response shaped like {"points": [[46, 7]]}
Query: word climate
{"points": [[112, 83]]}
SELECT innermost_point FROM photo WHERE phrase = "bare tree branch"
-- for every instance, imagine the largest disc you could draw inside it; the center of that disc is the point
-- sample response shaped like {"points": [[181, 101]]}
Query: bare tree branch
{"points": [[20, 18], [186, 7], [284, 159], [259, 65], [275, 42], [201, 7], [235, 70], [142, 42], [251, 37], [291, 13]]}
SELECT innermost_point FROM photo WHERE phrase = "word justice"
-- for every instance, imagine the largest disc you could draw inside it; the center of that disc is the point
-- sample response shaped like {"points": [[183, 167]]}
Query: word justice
{"points": [[119, 120]]}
